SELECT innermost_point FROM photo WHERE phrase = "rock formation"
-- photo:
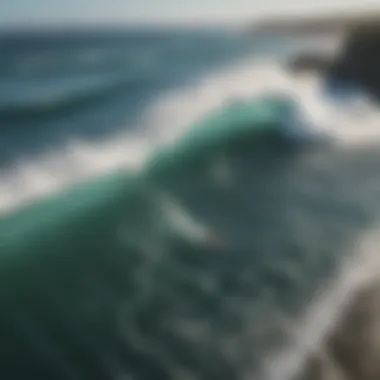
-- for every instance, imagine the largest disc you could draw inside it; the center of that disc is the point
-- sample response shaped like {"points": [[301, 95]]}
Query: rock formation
{"points": [[359, 60], [310, 62]]}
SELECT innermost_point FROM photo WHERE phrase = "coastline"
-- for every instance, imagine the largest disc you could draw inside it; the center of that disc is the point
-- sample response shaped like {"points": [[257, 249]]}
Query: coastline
{"points": [[316, 23]]}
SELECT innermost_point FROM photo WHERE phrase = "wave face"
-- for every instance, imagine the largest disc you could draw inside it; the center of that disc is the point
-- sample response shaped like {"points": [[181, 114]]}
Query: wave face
{"points": [[209, 239], [209, 271]]}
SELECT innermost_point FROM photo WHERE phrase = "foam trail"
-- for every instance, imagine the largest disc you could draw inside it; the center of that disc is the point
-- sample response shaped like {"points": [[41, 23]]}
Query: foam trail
{"points": [[181, 222], [324, 314]]}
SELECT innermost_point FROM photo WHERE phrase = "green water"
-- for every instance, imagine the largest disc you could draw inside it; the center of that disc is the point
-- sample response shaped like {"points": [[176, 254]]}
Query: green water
{"points": [[179, 272]]}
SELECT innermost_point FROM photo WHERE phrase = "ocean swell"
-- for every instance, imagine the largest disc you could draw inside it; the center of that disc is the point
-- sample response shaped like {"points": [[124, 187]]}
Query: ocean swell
{"points": [[201, 255]]}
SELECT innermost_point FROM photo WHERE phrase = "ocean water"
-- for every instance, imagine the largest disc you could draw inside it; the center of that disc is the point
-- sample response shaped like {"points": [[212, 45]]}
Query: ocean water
{"points": [[231, 259]]}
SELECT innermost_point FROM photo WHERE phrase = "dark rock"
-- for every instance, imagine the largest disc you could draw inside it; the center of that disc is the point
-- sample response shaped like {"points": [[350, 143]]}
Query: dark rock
{"points": [[359, 60], [310, 62]]}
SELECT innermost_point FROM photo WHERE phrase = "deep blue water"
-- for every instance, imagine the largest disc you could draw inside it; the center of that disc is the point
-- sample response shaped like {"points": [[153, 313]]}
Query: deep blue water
{"points": [[61, 84]]}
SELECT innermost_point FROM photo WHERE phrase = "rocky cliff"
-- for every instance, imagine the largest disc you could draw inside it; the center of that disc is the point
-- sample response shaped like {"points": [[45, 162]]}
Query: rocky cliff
{"points": [[359, 60]]}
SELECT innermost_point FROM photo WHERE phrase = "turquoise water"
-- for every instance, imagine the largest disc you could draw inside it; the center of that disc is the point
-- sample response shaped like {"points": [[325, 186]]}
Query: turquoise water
{"points": [[201, 264], [159, 277]]}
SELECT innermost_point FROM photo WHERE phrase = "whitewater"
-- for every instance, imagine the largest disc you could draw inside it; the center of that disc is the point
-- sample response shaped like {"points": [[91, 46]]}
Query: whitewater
{"points": [[347, 121], [173, 113]]}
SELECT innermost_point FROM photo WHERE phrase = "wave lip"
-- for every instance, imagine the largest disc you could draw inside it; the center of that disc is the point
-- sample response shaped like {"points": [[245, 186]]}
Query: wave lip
{"points": [[48, 98], [269, 121]]}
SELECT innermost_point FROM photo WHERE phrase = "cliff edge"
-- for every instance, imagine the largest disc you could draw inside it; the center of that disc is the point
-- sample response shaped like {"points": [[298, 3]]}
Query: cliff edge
{"points": [[359, 59]]}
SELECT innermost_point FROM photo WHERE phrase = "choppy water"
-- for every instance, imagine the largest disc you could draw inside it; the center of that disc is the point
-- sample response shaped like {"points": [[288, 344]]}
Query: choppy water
{"points": [[231, 265]]}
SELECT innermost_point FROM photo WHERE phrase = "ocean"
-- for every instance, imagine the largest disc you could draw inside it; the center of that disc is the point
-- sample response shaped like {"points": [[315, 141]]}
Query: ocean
{"points": [[233, 259]]}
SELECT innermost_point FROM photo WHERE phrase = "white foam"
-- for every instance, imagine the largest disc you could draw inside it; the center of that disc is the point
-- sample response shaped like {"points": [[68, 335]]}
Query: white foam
{"points": [[181, 222], [172, 114], [355, 119], [324, 314], [78, 161]]}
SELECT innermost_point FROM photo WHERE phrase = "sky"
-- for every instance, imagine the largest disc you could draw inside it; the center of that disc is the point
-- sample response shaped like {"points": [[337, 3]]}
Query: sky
{"points": [[14, 13]]}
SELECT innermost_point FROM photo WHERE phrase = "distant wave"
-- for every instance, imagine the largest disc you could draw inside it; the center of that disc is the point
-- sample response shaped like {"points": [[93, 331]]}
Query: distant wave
{"points": [[40, 103]]}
